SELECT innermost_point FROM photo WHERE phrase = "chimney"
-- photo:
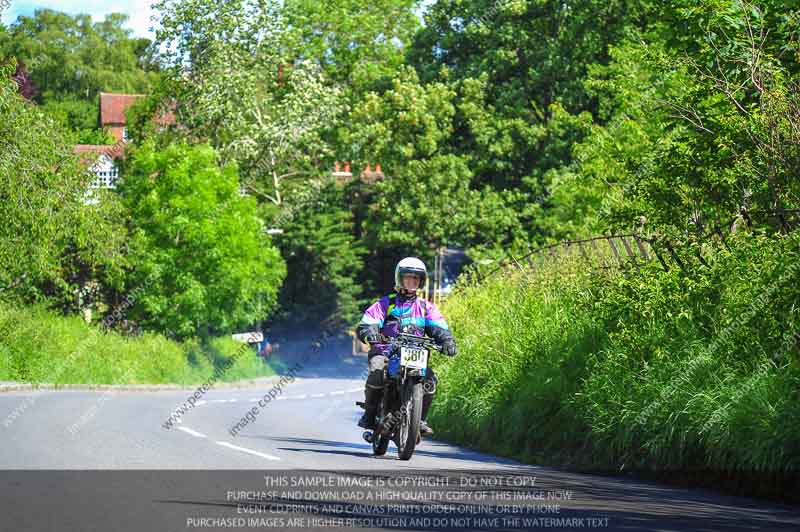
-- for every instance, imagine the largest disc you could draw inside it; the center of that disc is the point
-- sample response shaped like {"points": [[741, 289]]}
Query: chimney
{"points": [[342, 176]]}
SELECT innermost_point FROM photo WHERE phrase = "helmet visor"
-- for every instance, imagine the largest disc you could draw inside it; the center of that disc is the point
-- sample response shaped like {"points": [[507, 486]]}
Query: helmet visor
{"points": [[411, 278]]}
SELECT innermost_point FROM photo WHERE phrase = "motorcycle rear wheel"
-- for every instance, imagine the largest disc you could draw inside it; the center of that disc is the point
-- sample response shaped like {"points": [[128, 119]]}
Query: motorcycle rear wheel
{"points": [[380, 443]]}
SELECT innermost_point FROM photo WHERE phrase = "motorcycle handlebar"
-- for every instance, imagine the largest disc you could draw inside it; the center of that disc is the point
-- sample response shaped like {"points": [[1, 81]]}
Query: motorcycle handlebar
{"points": [[410, 338]]}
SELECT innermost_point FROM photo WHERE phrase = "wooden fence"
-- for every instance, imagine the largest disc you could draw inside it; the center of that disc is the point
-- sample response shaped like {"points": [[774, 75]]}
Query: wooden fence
{"points": [[615, 251]]}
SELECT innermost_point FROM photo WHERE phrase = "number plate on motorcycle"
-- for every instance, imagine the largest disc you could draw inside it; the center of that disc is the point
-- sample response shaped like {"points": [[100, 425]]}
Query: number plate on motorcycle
{"points": [[414, 357]]}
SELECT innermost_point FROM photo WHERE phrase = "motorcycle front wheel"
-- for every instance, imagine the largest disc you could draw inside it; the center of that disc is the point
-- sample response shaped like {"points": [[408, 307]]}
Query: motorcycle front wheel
{"points": [[411, 413]]}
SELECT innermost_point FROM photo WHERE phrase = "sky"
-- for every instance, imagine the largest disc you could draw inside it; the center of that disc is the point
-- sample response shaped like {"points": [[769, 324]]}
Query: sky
{"points": [[138, 11]]}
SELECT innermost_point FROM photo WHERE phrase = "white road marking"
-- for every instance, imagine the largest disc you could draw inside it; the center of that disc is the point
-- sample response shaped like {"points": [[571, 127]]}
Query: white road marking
{"points": [[283, 398], [249, 451], [192, 432]]}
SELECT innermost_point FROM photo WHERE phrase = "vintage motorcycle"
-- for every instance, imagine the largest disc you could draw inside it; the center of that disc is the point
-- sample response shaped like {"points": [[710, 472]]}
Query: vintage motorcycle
{"points": [[401, 406]]}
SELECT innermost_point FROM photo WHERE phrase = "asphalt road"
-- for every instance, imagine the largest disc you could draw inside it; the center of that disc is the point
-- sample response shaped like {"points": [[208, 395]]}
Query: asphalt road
{"points": [[85, 460]]}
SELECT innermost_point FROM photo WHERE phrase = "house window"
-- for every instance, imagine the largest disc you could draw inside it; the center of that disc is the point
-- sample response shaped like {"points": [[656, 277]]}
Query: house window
{"points": [[106, 177], [125, 136]]}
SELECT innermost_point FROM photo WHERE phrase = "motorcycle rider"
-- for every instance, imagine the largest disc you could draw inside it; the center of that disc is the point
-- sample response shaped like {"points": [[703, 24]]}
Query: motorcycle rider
{"points": [[401, 311]]}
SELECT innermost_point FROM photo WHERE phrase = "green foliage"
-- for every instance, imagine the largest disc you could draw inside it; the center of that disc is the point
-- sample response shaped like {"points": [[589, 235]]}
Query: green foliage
{"points": [[39, 346], [50, 241], [653, 370], [428, 198], [356, 43], [322, 257], [702, 119], [256, 103], [203, 264], [406, 122], [71, 59], [529, 55], [523, 343], [430, 202]]}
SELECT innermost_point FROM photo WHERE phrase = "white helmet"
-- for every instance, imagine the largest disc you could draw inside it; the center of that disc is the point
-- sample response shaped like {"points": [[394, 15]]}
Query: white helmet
{"points": [[410, 265]]}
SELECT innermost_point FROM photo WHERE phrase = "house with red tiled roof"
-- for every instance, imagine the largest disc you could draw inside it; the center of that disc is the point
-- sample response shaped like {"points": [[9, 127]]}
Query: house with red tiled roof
{"points": [[112, 113], [102, 159]]}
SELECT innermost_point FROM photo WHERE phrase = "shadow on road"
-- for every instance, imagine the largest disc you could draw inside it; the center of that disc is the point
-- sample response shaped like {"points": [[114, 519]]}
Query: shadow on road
{"points": [[335, 447]]}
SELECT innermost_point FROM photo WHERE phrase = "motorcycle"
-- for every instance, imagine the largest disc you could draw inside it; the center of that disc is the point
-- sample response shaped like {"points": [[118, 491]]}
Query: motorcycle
{"points": [[400, 411]]}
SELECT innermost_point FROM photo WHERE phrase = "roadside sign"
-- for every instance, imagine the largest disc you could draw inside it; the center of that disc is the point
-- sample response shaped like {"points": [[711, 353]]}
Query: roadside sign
{"points": [[248, 338]]}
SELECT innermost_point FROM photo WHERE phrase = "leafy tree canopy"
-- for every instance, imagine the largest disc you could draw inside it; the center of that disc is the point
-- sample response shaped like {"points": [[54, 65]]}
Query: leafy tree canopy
{"points": [[240, 86], [50, 238], [71, 59], [203, 263]]}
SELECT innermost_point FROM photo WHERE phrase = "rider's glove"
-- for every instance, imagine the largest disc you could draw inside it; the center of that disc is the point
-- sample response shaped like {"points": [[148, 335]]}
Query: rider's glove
{"points": [[372, 338], [449, 348]]}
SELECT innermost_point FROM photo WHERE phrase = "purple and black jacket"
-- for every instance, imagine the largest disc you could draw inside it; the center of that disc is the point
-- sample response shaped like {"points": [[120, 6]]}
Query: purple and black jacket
{"points": [[393, 313]]}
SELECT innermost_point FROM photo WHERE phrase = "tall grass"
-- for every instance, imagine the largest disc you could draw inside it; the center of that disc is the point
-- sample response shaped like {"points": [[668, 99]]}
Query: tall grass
{"points": [[39, 346], [644, 370]]}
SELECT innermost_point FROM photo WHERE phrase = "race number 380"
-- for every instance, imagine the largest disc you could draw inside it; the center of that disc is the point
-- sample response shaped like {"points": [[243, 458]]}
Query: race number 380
{"points": [[414, 357]]}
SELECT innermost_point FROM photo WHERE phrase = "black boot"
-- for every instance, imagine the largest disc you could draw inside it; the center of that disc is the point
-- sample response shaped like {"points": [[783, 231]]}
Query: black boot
{"points": [[367, 420], [372, 398], [424, 428]]}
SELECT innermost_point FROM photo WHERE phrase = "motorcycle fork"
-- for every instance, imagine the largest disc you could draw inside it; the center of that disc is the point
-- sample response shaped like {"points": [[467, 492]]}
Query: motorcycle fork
{"points": [[388, 411]]}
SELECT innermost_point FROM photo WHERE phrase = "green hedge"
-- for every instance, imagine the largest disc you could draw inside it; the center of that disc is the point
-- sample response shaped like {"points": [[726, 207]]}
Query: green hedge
{"points": [[636, 370], [39, 346]]}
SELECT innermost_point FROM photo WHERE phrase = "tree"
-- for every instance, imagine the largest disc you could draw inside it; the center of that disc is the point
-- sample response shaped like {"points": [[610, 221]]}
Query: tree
{"points": [[249, 96], [71, 59], [429, 197], [323, 258], [50, 240], [429, 203], [203, 264], [695, 129], [406, 121], [356, 43], [531, 58]]}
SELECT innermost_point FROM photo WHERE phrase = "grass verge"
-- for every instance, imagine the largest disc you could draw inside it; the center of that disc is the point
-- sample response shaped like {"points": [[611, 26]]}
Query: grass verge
{"points": [[39, 346], [688, 376]]}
